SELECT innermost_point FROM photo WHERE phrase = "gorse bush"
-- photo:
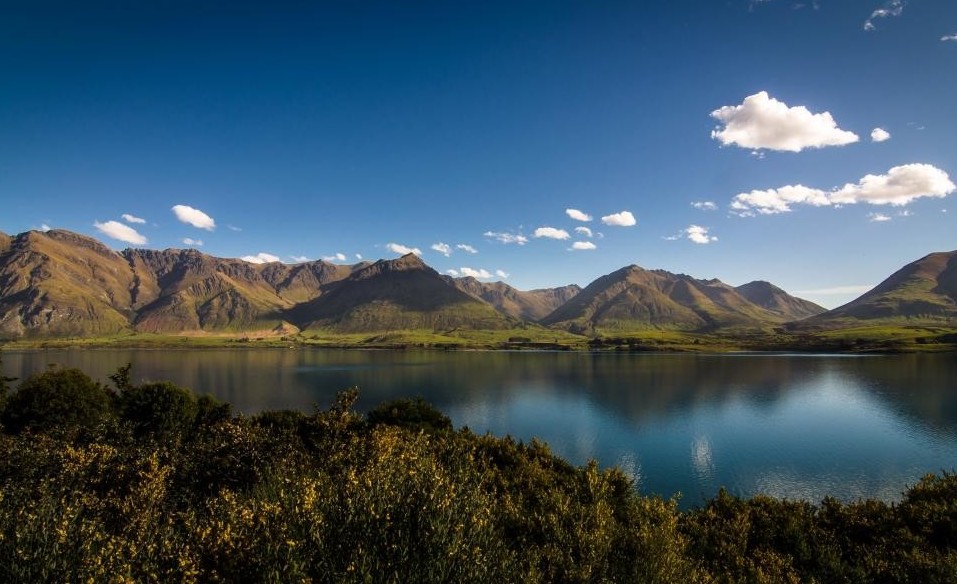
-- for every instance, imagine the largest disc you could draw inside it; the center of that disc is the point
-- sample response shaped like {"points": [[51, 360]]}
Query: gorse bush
{"points": [[59, 400], [160, 486]]}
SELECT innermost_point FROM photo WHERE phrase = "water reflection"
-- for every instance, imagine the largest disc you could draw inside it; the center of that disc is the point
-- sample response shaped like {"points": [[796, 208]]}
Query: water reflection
{"points": [[800, 426]]}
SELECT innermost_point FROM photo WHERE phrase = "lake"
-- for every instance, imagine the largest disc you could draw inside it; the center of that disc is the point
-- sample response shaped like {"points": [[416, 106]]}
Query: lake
{"points": [[795, 426]]}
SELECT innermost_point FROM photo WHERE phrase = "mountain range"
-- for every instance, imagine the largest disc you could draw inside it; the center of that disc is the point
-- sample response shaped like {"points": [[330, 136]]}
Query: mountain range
{"points": [[58, 283]]}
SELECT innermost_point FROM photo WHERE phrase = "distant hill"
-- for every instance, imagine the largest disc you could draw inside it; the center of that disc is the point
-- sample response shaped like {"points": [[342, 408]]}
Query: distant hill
{"points": [[770, 297], [633, 298], [398, 294], [922, 292], [531, 305], [59, 283], [62, 284]]}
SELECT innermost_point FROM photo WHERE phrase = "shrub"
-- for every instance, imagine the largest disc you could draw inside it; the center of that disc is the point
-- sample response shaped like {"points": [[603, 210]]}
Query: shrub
{"points": [[58, 400], [161, 410], [415, 414]]}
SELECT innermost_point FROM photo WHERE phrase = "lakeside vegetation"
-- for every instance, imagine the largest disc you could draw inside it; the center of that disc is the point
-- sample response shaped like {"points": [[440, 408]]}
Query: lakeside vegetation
{"points": [[151, 483], [880, 338]]}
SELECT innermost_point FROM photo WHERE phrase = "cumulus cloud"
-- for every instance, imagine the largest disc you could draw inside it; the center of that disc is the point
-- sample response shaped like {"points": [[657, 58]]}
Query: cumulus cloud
{"points": [[773, 201], [704, 205], [900, 186], [443, 248], [764, 122], [480, 274], [582, 246], [551, 233], [506, 238], [466, 248], [952, 38], [620, 219], [194, 217], [299, 259], [260, 258], [502, 274], [359, 256], [890, 8], [584, 231], [132, 218], [699, 235], [880, 135], [191, 241], [118, 231], [578, 215], [878, 217], [452, 272], [403, 250], [44, 227], [338, 257]]}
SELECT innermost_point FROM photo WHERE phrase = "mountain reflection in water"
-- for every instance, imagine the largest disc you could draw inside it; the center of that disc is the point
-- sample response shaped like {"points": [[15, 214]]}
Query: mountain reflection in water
{"points": [[797, 426]]}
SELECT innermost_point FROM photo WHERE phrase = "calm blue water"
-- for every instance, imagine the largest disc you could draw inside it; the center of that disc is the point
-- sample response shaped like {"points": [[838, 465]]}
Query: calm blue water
{"points": [[796, 426]]}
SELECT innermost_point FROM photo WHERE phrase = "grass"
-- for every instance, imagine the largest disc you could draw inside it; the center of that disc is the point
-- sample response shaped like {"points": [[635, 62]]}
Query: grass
{"points": [[885, 338]]}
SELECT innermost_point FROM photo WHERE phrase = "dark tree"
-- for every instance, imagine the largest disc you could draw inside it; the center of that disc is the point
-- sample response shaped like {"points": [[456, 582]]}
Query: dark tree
{"points": [[415, 414], [58, 399]]}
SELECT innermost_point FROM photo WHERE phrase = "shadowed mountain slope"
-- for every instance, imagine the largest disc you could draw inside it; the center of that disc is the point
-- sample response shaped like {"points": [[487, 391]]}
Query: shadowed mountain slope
{"points": [[770, 297], [398, 294], [633, 298], [532, 305], [922, 292]]}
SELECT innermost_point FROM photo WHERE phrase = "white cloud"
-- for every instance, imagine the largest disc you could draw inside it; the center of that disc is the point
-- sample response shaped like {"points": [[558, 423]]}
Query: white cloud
{"points": [[878, 217], [453, 273], [705, 205], [194, 217], [502, 274], [949, 38], [890, 8], [403, 250], [466, 248], [506, 238], [479, 274], [191, 241], [299, 259], [260, 258], [699, 235], [880, 135], [905, 213], [773, 201], [132, 218], [117, 230], [44, 227], [764, 122], [233, 227], [338, 257], [359, 256], [582, 246], [900, 186], [578, 215], [584, 231], [443, 248], [551, 233], [621, 219]]}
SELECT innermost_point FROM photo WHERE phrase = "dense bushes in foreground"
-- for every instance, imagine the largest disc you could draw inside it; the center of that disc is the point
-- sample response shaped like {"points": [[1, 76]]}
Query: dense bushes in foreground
{"points": [[152, 484]]}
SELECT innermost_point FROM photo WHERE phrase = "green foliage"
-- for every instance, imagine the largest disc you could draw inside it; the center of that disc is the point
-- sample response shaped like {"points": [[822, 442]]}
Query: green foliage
{"points": [[335, 497], [160, 410], [4, 386], [59, 400], [414, 414]]}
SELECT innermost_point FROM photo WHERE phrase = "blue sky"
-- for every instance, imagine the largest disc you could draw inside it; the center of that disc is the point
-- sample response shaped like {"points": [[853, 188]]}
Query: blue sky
{"points": [[812, 144]]}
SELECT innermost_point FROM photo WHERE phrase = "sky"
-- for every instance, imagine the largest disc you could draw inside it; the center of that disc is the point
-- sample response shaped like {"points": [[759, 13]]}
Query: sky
{"points": [[810, 143]]}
